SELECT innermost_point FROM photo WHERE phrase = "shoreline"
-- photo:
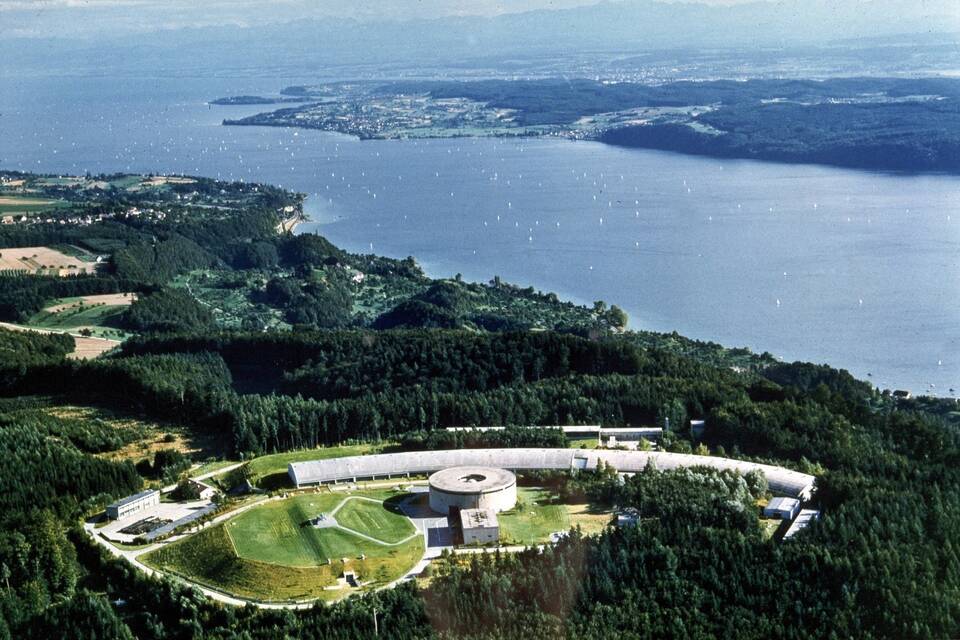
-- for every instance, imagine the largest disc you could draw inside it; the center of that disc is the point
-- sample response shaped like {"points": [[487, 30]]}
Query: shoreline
{"points": [[289, 225], [431, 270], [600, 138]]}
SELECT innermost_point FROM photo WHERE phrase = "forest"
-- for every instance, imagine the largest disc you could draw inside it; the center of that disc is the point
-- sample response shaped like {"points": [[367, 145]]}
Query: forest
{"points": [[882, 562]]}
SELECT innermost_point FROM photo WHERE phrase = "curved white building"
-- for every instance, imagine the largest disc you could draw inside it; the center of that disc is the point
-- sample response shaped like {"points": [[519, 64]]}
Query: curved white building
{"points": [[781, 480], [473, 487]]}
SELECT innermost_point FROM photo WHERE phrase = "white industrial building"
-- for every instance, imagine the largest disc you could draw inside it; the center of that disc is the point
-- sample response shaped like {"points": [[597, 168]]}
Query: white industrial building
{"points": [[473, 487], [133, 504], [386, 465], [782, 508], [479, 526], [618, 433], [804, 519]]}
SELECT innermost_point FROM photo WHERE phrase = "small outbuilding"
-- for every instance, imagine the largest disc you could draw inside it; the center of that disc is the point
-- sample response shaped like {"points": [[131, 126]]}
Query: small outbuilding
{"points": [[782, 508], [480, 526], [697, 427], [628, 517]]}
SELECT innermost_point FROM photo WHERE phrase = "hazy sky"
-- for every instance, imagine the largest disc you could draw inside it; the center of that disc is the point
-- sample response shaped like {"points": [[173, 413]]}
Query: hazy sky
{"points": [[111, 17]]}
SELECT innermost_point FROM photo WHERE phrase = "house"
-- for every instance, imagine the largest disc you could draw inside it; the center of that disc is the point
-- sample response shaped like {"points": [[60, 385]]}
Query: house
{"points": [[206, 491]]}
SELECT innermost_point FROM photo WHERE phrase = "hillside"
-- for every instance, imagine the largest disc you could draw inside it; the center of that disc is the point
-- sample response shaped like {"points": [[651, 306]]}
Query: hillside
{"points": [[881, 562]]}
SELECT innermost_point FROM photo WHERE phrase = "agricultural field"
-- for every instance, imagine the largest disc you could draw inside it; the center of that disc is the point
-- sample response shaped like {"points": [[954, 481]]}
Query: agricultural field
{"points": [[93, 321], [11, 205], [98, 315], [84, 348], [88, 348], [273, 552], [538, 515], [43, 260]]}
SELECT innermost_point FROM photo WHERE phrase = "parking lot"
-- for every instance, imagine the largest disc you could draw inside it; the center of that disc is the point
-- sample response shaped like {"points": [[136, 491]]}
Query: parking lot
{"points": [[165, 511]]}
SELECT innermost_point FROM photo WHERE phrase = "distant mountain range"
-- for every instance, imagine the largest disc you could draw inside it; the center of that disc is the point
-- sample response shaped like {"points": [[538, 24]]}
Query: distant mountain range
{"points": [[610, 26]]}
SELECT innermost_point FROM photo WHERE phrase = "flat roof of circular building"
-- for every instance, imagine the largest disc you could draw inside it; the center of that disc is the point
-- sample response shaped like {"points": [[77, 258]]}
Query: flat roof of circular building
{"points": [[472, 479]]}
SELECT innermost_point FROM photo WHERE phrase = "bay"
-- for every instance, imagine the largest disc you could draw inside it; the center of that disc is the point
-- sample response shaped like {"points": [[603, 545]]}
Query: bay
{"points": [[857, 269]]}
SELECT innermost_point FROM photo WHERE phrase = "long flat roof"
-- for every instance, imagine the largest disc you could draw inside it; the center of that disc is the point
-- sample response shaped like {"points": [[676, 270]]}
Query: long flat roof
{"points": [[802, 521], [782, 503], [574, 429], [134, 498], [781, 480]]}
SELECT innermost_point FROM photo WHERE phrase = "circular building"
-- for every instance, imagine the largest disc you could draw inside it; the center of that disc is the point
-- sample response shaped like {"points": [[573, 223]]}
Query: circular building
{"points": [[473, 488]]}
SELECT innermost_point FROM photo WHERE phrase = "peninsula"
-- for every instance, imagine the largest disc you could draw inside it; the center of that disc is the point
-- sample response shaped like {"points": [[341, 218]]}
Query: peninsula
{"points": [[869, 123]]}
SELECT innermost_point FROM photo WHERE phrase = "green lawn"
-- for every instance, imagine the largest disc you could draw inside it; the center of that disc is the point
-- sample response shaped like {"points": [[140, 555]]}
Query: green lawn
{"points": [[589, 442], [270, 552], [537, 516], [375, 519], [769, 527], [278, 532], [533, 519]]}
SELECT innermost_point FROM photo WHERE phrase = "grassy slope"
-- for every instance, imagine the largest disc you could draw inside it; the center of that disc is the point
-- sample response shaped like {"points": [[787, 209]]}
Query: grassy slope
{"points": [[208, 558], [256, 555], [76, 317], [277, 532], [375, 520]]}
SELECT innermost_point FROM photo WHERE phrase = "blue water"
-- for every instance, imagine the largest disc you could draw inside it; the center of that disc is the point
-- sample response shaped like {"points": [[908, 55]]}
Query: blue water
{"points": [[858, 269]]}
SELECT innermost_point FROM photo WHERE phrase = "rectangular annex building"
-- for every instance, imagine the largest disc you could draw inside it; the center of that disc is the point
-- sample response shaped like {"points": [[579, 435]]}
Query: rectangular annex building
{"points": [[133, 504], [782, 508], [479, 526]]}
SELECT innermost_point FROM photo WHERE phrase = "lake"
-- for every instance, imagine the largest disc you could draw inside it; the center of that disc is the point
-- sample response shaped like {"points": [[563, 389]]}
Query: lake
{"points": [[860, 270]]}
